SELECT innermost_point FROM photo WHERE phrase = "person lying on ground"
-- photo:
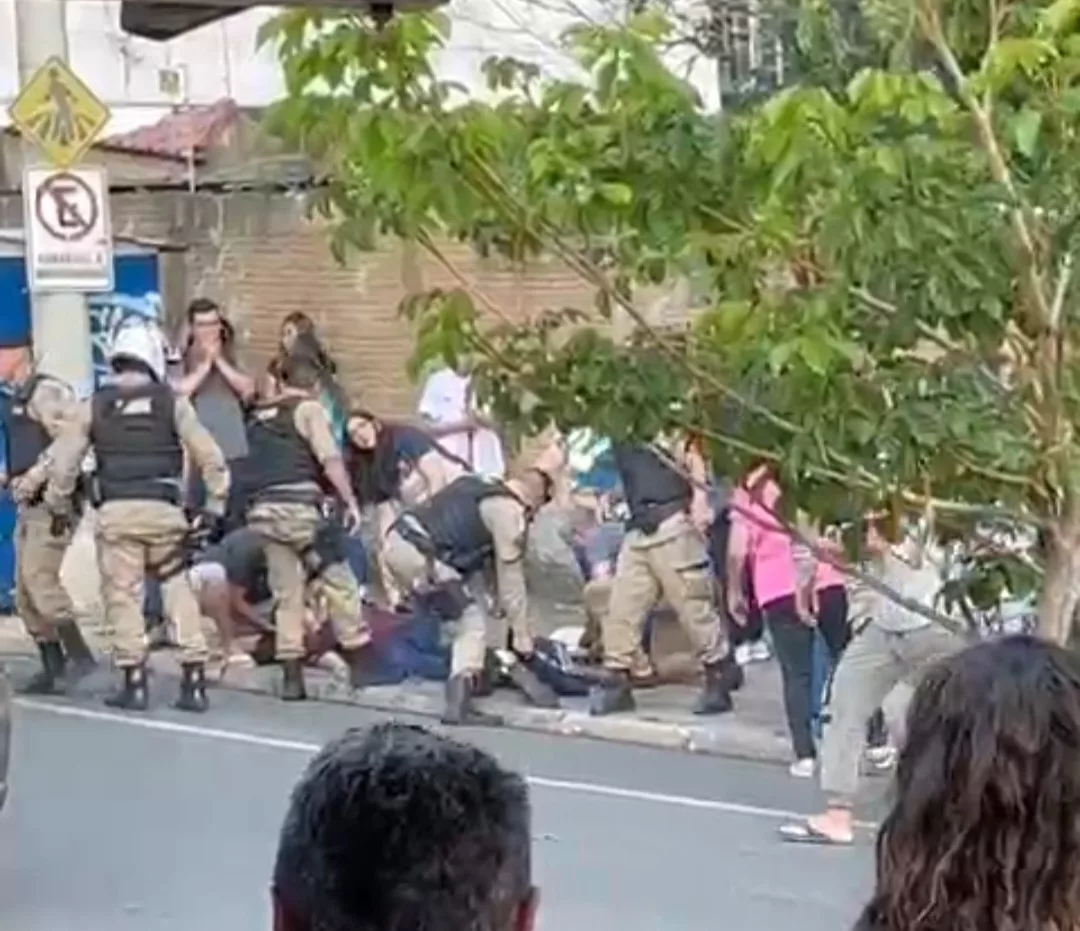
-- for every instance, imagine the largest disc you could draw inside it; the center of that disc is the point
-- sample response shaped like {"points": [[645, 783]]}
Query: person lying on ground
{"points": [[230, 581]]}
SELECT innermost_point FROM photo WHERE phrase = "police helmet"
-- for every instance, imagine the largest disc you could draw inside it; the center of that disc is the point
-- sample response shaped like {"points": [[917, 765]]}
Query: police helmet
{"points": [[139, 340]]}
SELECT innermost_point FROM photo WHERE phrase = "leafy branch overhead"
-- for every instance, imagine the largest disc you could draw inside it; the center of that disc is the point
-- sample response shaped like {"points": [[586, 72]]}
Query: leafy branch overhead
{"points": [[880, 257]]}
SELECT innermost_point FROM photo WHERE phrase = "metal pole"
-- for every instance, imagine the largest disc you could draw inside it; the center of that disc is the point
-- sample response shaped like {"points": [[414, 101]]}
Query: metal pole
{"points": [[61, 322]]}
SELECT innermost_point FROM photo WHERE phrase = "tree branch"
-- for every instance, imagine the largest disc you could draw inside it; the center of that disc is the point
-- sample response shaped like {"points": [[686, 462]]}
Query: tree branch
{"points": [[1021, 217]]}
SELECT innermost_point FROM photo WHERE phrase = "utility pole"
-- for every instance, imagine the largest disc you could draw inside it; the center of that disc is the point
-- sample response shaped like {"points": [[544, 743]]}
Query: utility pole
{"points": [[60, 320]]}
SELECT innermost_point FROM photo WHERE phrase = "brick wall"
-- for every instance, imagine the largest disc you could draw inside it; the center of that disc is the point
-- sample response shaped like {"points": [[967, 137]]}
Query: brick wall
{"points": [[258, 254]]}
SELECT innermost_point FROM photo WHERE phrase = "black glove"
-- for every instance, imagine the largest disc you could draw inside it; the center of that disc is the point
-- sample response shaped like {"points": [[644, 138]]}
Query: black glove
{"points": [[62, 524], [205, 529]]}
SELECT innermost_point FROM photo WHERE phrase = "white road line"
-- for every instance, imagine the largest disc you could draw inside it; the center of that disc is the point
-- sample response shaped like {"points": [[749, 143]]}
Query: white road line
{"points": [[299, 746]]}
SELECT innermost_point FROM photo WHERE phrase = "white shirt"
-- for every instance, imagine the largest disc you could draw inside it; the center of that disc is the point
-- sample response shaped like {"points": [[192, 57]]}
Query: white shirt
{"points": [[447, 399]]}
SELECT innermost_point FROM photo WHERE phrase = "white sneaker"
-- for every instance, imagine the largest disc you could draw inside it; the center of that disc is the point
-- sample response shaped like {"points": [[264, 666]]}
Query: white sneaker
{"points": [[803, 769], [882, 758], [742, 654], [759, 651]]}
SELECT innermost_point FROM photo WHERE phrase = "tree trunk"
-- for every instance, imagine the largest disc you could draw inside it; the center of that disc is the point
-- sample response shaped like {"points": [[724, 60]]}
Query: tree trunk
{"points": [[1061, 586]]}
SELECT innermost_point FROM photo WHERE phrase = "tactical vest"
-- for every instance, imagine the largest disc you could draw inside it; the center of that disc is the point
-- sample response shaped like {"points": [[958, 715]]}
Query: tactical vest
{"points": [[654, 490], [138, 451], [279, 455], [26, 437], [456, 533]]}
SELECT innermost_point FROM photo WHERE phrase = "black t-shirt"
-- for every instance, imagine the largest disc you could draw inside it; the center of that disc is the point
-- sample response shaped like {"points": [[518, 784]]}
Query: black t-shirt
{"points": [[377, 474], [243, 557]]}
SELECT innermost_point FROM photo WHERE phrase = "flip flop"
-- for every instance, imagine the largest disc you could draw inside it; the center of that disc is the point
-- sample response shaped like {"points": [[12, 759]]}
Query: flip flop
{"points": [[803, 832]]}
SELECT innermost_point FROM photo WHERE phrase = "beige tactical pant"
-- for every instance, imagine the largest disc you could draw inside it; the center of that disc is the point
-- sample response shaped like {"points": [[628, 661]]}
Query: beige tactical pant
{"points": [[288, 529], [134, 537], [414, 571], [40, 597], [673, 564]]}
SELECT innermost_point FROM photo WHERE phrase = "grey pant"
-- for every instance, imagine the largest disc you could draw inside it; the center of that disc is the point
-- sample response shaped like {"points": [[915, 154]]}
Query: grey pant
{"points": [[873, 664]]}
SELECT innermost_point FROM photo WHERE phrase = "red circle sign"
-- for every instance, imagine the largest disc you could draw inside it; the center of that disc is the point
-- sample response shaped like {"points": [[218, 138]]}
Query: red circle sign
{"points": [[66, 207]]}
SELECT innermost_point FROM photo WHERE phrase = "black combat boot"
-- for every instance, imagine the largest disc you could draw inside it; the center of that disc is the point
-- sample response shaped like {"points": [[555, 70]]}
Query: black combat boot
{"points": [[132, 695], [49, 680], [292, 681], [460, 708], [720, 679], [80, 659], [537, 692], [359, 660], [489, 677], [193, 689], [612, 693]]}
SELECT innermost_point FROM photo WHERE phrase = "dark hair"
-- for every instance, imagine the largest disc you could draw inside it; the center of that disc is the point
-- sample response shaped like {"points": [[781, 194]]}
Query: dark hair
{"points": [[202, 306], [374, 472], [984, 834], [397, 827], [300, 371]]}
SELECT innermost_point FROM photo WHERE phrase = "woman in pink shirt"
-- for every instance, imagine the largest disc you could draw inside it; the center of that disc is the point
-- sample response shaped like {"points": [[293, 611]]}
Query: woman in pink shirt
{"points": [[759, 538]]}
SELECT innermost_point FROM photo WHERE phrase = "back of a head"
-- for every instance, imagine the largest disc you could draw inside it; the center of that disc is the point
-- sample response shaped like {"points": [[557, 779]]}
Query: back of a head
{"points": [[985, 829], [395, 828], [300, 370]]}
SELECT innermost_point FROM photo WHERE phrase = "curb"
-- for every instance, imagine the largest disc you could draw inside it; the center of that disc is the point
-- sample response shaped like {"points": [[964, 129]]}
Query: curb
{"points": [[725, 737]]}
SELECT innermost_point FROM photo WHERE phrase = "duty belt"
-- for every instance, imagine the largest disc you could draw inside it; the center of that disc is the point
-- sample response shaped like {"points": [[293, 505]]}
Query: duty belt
{"points": [[649, 515], [410, 530], [278, 495]]}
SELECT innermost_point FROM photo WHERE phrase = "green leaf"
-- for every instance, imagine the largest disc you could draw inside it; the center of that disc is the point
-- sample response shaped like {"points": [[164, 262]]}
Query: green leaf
{"points": [[615, 193], [1025, 129]]}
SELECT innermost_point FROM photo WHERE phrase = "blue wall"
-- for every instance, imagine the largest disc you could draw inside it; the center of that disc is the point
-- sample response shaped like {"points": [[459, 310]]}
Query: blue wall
{"points": [[137, 292]]}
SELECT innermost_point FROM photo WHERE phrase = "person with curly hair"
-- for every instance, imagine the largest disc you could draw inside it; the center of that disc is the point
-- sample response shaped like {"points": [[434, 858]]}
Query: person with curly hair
{"points": [[985, 830]]}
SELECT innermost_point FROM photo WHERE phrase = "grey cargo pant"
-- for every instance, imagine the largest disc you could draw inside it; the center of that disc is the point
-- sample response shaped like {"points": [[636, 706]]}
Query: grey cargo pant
{"points": [[874, 662]]}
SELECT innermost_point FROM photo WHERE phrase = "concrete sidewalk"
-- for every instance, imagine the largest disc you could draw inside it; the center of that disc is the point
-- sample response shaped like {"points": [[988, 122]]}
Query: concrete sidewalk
{"points": [[754, 731]]}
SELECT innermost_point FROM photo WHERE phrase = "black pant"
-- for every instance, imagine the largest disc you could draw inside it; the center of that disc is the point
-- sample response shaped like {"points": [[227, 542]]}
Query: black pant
{"points": [[793, 641], [752, 631]]}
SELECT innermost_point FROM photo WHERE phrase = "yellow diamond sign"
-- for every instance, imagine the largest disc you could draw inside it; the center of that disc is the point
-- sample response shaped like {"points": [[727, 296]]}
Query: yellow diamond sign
{"points": [[59, 113]]}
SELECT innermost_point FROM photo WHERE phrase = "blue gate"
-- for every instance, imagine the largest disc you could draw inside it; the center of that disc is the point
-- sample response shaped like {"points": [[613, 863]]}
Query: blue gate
{"points": [[137, 292]]}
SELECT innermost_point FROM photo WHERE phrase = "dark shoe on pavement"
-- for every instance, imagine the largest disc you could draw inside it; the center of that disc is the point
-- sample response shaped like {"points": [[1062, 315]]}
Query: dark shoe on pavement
{"points": [[132, 694], [360, 661], [732, 672], [80, 658], [460, 709], [49, 680], [193, 689], [292, 681], [612, 694], [715, 697], [537, 692], [488, 677]]}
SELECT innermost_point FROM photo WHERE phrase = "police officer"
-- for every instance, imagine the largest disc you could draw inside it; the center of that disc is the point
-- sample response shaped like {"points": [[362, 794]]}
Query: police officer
{"points": [[663, 554], [36, 413], [293, 457], [141, 431], [439, 550]]}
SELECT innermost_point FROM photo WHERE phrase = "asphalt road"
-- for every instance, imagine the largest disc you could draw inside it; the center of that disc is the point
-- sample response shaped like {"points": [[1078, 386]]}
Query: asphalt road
{"points": [[161, 822]]}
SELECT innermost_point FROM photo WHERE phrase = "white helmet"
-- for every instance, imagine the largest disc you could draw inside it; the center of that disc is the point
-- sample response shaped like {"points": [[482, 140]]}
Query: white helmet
{"points": [[140, 340]]}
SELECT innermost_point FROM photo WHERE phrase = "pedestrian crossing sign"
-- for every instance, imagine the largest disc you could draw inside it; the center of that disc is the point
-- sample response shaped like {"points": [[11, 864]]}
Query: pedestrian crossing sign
{"points": [[59, 113]]}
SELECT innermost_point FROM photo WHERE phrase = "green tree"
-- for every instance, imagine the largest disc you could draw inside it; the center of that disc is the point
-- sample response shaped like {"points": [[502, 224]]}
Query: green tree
{"points": [[881, 260]]}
